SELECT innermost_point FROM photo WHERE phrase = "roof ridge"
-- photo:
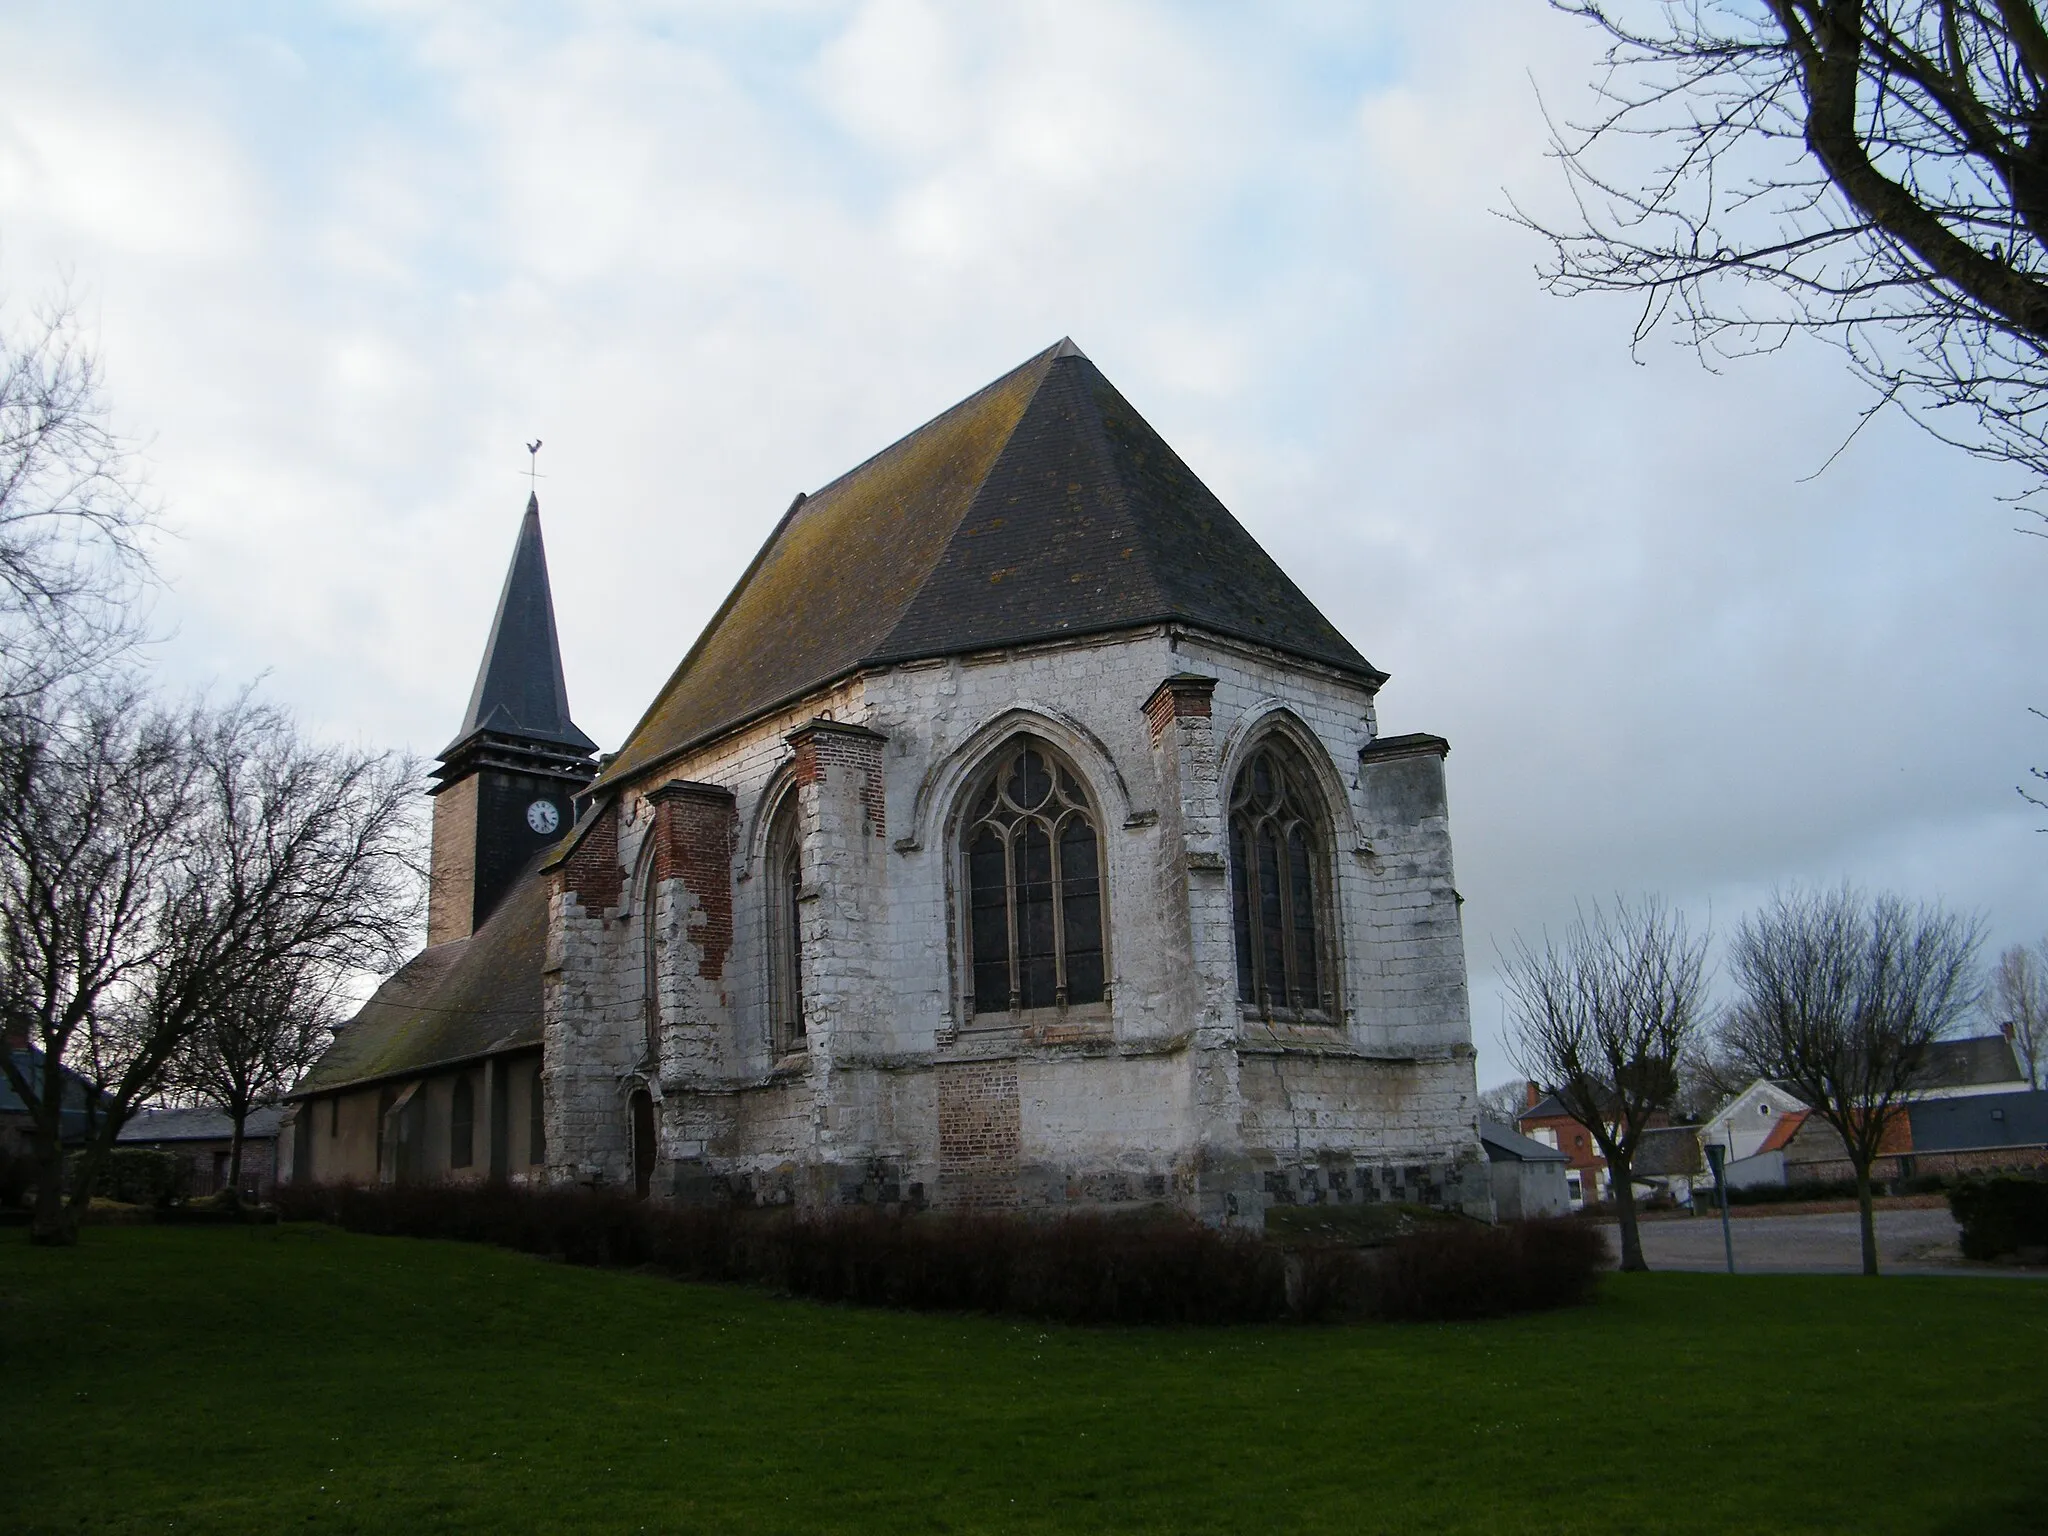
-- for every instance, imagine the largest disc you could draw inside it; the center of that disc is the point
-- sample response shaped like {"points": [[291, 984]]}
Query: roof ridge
{"points": [[713, 625], [1062, 349]]}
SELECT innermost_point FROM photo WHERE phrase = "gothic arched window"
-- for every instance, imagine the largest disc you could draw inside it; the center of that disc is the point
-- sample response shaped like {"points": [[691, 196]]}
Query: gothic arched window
{"points": [[1034, 884], [650, 963], [785, 870], [1278, 881]]}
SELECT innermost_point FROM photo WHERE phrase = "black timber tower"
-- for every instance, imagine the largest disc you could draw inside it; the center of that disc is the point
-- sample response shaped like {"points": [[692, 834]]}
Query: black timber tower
{"points": [[507, 784]]}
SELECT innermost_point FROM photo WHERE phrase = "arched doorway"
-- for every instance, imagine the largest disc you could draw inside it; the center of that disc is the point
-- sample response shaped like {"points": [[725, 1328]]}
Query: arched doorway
{"points": [[642, 1104]]}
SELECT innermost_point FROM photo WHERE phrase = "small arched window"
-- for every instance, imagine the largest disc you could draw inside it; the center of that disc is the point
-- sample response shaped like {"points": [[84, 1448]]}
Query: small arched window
{"points": [[1278, 879], [785, 871], [462, 1124], [1034, 884]]}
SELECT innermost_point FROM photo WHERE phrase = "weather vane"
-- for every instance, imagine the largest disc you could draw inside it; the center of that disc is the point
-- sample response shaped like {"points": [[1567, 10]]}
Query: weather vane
{"points": [[533, 461]]}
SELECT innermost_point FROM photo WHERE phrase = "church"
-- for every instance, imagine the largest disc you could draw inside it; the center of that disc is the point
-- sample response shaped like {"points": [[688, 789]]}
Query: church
{"points": [[1016, 835]]}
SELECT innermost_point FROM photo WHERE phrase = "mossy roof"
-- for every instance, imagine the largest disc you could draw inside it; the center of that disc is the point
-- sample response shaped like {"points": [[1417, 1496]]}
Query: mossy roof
{"points": [[1040, 507], [454, 1002]]}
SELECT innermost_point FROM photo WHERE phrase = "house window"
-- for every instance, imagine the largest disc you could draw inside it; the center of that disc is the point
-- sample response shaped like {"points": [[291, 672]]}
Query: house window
{"points": [[536, 1123], [1278, 880], [785, 882], [1034, 883], [1763, 1109], [462, 1124]]}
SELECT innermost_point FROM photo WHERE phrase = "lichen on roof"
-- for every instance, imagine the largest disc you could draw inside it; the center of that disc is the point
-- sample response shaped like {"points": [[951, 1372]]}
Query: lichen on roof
{"points": [[1039, 507], [454, 1002]]}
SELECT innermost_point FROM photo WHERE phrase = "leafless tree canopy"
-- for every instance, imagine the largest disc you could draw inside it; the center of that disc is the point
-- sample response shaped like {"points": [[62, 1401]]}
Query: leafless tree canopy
{"points": [[1874, 172], [71, 558], [254, 1045], [2019, 1002], [1504, 1102], [1842, 996], [1602, 1018], [161, 870]]}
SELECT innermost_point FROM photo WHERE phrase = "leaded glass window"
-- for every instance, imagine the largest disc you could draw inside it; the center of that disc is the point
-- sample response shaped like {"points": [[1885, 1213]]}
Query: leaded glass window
{"points": [[1277, 886], [1034, 882], [785, 926]]}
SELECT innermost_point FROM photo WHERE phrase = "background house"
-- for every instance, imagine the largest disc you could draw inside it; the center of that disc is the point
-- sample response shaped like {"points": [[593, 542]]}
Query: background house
{"points": [[1980, 1133], [16, 1124], [1528, 1175], [204, 1140]]}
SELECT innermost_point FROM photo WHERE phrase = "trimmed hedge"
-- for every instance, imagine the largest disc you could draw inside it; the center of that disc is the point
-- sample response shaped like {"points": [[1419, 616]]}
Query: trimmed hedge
{"points": [[137, 1176], [2001, 1216], [1074, 1269]]}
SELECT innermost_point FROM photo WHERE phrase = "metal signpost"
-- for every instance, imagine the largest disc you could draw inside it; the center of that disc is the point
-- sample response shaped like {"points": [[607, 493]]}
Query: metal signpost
{"points": [[1716, 1156]]}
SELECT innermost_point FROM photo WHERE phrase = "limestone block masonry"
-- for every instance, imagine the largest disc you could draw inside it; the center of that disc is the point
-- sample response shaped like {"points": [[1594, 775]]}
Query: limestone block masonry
{"points": [[1171, 1090]]}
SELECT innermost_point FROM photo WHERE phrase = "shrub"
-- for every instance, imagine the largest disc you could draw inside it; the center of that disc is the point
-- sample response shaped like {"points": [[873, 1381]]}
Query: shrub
{"points": [[2001, 1216], [1522, 1266], [17, 1179], [1073, 1269], [137, 1176], [1779, 1194]]}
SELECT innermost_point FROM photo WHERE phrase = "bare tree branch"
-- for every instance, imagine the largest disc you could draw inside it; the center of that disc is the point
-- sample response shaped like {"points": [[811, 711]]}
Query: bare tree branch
{"points": [[1842, 997], [1602, 1019]]}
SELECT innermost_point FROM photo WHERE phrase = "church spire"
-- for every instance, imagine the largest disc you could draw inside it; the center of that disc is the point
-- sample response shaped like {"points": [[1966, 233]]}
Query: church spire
{"points": [[509, 783], [520, 692]]}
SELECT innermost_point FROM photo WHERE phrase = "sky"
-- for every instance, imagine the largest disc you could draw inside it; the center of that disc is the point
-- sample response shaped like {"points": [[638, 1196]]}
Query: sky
{"points": [[343, 260]]}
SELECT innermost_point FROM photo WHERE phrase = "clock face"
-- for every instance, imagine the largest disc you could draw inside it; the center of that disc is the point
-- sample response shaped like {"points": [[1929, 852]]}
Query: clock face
{"points": [[543, 817]]}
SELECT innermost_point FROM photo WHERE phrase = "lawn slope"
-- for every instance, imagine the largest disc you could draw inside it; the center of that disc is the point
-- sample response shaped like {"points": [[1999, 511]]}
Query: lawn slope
{"points": [[300, 1378]]}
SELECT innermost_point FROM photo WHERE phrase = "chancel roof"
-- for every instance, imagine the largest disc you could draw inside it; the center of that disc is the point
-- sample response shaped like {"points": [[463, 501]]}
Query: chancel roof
{"points": [[453, 1002], [1041, 506], [520, 691]]}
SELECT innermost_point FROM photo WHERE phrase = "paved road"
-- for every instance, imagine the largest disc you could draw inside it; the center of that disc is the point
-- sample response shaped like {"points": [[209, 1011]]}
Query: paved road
{"points": [[1908, 1242]]}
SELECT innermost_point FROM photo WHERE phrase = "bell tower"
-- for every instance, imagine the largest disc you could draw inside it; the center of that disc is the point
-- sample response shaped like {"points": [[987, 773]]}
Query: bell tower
{"points": [[507, 784]]}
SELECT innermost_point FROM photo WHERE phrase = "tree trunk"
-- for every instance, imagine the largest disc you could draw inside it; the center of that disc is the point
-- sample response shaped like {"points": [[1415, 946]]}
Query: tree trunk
{"points": [[55, 1225], [1867, 1215], [1625, 1209], [234, 1189]]}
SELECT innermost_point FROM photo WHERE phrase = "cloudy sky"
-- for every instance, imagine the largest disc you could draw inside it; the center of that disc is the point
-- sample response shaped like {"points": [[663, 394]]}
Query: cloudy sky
{"points": [[342, 259]]}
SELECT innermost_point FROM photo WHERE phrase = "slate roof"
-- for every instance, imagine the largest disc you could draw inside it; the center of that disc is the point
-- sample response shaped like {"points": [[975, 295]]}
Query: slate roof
{"points": [[72, 1120], [154, 1125], [520, 690], [455, 1002], [1969, 1063], [1980, 1122], [1041, 506], [1504, 1145]]}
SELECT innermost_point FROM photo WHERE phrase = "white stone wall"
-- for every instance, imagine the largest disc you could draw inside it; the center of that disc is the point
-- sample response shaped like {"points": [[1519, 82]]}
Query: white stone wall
{"points": [[1168, 1092]]}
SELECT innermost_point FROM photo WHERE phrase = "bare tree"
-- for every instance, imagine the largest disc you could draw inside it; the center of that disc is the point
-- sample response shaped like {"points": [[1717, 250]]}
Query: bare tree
{"points": [[2019, 1003], [1870, 172], [254, 1045], [1842, 998], [1602, 1017], [158, 870], [72, 560], [1504, 1102]]}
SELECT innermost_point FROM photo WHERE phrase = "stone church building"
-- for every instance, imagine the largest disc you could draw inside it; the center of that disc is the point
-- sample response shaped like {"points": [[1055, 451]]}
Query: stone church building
{"points": [[1016, 834]]}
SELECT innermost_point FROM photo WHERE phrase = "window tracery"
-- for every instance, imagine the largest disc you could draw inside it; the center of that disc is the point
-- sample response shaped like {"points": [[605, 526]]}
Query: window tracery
{"points": [[1034, 885], [1278, 887]]}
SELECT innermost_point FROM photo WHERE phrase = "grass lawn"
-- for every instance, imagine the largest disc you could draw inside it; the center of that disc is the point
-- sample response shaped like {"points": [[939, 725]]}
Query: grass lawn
{"points": [[277, 1379]]}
